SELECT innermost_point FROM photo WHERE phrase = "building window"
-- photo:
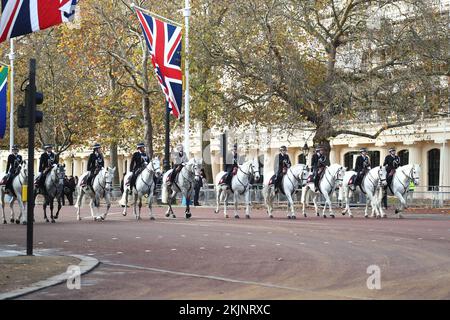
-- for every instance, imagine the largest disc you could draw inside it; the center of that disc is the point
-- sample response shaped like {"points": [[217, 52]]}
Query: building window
{"points": [[348, 159], [434, 156], [374, 158], [301, 159], [404, 157]]}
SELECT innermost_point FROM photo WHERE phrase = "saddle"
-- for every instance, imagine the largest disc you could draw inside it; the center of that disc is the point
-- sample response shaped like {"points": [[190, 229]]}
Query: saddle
{"points": [[280, 185]]}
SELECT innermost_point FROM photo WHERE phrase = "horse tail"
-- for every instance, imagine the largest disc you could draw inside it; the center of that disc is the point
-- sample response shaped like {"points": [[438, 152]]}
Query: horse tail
{"points": [[164, 193]]}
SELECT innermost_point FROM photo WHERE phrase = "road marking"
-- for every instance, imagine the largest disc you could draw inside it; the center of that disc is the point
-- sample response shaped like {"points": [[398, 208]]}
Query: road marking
{"points": [[119, 252], [252, 245], [374, 240], [114, 238], [205, 234], [227, 234], [419, 238], [441, 238], [202, 248], [12, 245], [138, 237], [249, 233], [278, 244], [40, 242], [66, 241], [89, 240], [91, 254], [397, 239], [183, 236], [173, 249], [350, 241], [227, 247], [148, 251], [209, 277], [326, 242], [302, 243]]}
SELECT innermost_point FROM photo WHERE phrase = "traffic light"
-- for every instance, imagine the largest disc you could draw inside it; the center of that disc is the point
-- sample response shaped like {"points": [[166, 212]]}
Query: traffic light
{"points": [[23, 120]]}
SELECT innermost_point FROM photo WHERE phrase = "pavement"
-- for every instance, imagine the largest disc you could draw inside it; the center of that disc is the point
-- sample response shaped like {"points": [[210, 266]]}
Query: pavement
{"points": [[211, 257]]}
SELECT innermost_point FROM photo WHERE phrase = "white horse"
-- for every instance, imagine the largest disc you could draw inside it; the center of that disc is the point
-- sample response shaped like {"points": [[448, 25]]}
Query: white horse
{"points": [[295, 176], [183, 183], [101, 188], [54, 187], [144, 186], [331, 179], [400, 183], [17, 184], [240, 184], [371, 185]]}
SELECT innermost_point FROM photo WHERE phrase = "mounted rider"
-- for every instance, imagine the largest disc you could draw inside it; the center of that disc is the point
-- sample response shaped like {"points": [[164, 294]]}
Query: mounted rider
{"points": [[318, 164], [362, 166], [281, 166], [391, 162], [46, 162], [179, 159], [95, 164], [12, 167], [138, 163], [233, 160]]}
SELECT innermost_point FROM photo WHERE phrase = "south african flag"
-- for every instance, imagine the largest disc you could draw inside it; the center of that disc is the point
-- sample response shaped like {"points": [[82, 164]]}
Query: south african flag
{"points": [[3, 99]]}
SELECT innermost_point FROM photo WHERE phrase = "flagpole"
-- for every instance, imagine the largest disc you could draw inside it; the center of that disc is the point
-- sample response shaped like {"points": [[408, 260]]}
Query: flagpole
{"points": [[156, 15], [11, 96], [186, 14]]}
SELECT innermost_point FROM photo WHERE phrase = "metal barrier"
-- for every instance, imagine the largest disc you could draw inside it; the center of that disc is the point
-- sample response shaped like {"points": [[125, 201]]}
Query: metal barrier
{"points": [[422, 196]]}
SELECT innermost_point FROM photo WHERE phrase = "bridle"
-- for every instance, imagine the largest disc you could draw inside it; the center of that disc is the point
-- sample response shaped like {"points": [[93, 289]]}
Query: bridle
{"points": [[372, 179], [409, 178], [299, 180], [106, 182], [336, 177], [251, 173]]}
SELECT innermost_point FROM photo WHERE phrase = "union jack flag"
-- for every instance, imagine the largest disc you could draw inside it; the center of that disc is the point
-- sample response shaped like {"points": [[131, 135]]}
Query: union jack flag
{"points": [[20, 17], [164, 43]]}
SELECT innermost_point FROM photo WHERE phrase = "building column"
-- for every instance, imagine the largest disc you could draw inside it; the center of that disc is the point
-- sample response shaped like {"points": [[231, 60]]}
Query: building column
{"points": [[444, 176], [76, 167]]}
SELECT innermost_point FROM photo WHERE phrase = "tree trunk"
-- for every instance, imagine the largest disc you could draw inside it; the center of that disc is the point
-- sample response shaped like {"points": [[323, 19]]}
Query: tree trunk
{"points": [[148, 127], [114, 162]]}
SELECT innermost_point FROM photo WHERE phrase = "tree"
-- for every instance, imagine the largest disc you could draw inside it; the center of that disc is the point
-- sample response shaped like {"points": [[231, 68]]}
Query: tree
{"points": [[324, 62]]}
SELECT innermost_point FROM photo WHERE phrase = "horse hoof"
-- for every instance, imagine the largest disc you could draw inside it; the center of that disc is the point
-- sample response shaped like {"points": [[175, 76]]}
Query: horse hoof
{"points": [[289, 217], [367, 217], [4, 222], [318, 214], [17, 221], [271, 216], [167, 215], [236, 217], [46, 220], [324, 216], [226, 216], [174, 216], [188, 215], [247, 216], [332, 216], [152, 218], [294, 217], [24, 223], [53, 221], [216, 211], [12, 220], [304, 215], [351, 216], [396, 211], [384, 217]]}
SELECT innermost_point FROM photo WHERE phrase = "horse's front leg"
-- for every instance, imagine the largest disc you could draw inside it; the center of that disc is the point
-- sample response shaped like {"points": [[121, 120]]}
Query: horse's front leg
{"points": [[51, 211], [218, 194], [108, 206], [78, 202], [12, 213], [135, 210], [170, 210], [235, 197], [327, 202], [303, 200], [402, 202], [290, 206], [91, 206], [247, 204], [187, 212], [22, 216], [60, 204], [269, 201], [150, 202], [316, 207], [44, 206], [2, 195]]}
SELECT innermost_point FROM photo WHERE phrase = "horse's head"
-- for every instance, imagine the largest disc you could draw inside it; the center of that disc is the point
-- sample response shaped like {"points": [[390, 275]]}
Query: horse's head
{"points": [[155, 165], [415, 174], [109, 177], [338, 172], [303, 176], [254, 169], [23, 168], [382, 175]]}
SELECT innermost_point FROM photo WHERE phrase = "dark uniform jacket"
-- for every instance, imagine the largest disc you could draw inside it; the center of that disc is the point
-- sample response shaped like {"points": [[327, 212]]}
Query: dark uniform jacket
{"points": [[318, 161], [233, 161], [47, 160], [13, 162], [281, 161], [391, 162], [362, 163], [95, 161], [138, 160]]}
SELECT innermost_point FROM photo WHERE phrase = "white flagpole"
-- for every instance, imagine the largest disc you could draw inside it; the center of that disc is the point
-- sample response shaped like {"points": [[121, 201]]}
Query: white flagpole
{"points": [[186, 14], [11, 97]]}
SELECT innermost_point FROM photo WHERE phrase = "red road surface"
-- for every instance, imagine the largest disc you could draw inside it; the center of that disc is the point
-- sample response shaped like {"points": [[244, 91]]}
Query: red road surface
{"points": [[210, 257]]}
